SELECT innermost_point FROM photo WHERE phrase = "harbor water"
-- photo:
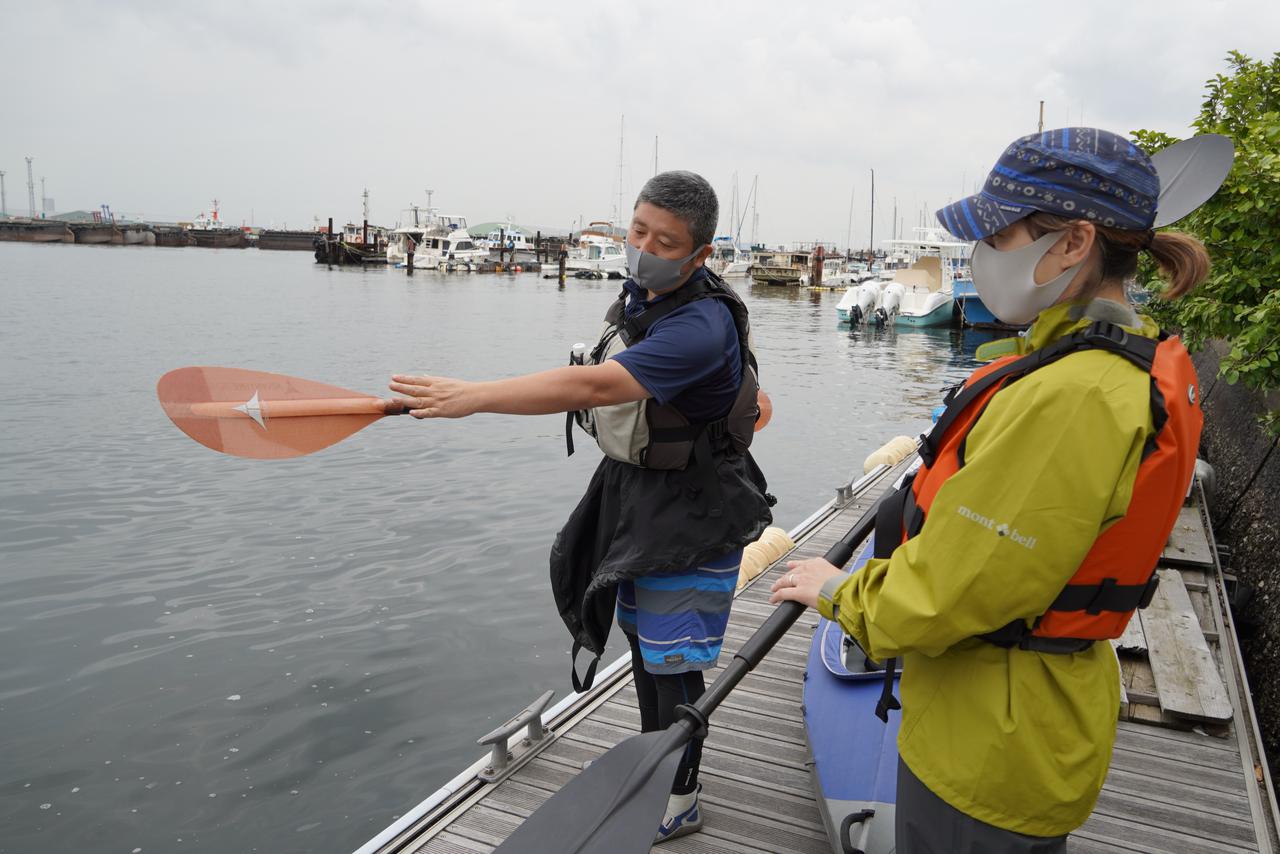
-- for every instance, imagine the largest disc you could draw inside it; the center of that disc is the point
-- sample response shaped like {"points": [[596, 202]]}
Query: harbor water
{"points": [[210, 654]]}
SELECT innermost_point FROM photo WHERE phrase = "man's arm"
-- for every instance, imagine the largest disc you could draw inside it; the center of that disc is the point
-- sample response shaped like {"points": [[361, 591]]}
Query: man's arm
{"points": [[557, 390]]}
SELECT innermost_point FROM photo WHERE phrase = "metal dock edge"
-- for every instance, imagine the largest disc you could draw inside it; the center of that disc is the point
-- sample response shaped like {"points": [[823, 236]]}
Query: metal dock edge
{"points": [[1172, 787]]}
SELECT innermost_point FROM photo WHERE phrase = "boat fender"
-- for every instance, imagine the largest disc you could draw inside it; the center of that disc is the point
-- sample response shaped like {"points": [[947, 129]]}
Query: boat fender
{"points": [[890, 453], [765, 405], [763, 553]]}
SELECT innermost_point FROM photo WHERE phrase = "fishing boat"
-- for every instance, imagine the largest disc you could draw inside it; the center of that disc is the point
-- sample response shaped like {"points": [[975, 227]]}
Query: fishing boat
{"points": [[510, 238], [782, 267], [932, 258], [858, 303]]}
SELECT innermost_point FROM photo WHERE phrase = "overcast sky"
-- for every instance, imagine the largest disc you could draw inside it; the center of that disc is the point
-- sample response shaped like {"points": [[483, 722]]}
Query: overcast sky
{"points": [[288, 111]]}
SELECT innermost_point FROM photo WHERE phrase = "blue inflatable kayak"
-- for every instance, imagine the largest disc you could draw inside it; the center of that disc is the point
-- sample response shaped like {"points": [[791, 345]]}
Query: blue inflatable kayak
{"points": [[855, 755]]}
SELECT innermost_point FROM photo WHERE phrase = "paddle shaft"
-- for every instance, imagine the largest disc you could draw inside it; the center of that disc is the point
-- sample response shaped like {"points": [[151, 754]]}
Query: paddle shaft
{"points": [[778, 623], [301, 408]]}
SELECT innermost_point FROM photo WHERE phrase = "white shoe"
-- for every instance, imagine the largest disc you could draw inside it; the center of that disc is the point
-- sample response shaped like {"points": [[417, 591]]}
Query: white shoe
{"points": [[684, 816]]}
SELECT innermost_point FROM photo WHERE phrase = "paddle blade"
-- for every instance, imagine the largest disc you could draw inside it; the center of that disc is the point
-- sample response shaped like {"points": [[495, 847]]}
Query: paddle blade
{"points": [[613, 807], [261, 415], [1190, 173]]}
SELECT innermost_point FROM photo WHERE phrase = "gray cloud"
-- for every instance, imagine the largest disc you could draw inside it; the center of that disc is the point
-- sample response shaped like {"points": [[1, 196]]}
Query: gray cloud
{"points": [[287, 112]]}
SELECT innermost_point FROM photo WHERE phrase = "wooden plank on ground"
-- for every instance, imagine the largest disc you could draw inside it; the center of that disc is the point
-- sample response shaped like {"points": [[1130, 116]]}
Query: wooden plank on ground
{"points": [[1133, 640], [1185, 674], [1188, 544]]}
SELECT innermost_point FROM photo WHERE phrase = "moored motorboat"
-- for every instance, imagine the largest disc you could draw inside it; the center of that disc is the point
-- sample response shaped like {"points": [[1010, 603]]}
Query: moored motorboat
{"points": [[785, 267], [934, 259], [729, 260], [858, 303]]}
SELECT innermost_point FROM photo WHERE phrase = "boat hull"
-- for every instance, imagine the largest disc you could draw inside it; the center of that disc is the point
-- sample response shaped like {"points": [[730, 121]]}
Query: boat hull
{"points": [[219, 238], [940, 315], [297, 241], [855, 755]]}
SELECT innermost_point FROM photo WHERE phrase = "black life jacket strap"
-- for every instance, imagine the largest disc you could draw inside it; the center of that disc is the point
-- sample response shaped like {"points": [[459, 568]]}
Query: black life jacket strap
{"points": [[1106, 596], [1101, 335], [635, 327], [887, 701], [889, 519], [706, 463], [568, 432], [589, 678]]}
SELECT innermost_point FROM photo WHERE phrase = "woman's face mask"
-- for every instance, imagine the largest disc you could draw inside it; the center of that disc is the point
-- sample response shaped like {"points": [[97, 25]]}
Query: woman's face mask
{"points": [[658, 275], [1006, 281]]}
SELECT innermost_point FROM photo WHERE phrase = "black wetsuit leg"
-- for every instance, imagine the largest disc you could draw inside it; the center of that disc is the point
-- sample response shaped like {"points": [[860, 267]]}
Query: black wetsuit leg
{"points": [[658, 697]]}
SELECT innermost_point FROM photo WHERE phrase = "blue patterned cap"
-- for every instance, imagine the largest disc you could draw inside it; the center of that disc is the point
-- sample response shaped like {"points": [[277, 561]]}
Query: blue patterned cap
{"points": [[1081, 173]]}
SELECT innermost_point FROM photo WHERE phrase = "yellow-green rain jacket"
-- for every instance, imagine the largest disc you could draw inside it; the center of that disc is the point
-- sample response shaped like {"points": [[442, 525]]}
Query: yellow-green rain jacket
{"points": [[1017, 739]]}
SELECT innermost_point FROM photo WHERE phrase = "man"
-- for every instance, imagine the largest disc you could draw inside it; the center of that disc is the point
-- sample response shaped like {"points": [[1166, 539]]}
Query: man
{"points": [[669, 393]]}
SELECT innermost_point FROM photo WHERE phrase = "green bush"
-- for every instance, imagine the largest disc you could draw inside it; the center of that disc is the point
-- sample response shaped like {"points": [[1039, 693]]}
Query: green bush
{"points": [[1240, 226]]}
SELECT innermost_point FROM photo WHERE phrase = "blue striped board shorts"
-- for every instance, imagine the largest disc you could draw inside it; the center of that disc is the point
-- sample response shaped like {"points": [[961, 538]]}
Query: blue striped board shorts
{"points": [[679, 617]]}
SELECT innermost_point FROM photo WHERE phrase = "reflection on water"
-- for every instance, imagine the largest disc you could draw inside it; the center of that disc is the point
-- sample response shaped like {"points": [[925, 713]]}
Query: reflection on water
{"points": [[281, 656]]}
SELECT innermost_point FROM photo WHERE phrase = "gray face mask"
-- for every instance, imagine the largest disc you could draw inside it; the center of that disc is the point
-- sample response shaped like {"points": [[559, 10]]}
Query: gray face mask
{"points": [[1006, 281], [659, 275]]}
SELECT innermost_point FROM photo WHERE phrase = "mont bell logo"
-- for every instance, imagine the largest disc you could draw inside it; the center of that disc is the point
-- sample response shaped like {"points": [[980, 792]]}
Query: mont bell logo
{"points": [[1001, 529]]}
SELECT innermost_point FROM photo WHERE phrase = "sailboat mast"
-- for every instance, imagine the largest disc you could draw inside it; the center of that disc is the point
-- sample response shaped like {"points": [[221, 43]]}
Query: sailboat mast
{"points": [[873, 213], [621, 136], [655, 154], [848, 233]]}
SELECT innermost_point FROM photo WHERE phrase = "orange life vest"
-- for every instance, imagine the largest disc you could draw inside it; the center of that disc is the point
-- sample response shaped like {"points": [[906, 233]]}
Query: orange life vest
{"points": [[1117, 575]]}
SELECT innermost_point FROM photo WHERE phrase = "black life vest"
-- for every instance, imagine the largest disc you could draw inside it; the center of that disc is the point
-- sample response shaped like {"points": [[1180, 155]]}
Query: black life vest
{"points": [[658, 436]]}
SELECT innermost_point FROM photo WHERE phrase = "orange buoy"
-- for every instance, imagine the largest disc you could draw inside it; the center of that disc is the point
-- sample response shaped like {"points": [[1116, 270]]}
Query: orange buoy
{"points": [[766, 410]]}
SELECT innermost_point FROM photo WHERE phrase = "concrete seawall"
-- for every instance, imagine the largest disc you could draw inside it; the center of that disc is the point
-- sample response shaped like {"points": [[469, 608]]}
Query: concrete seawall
{"points": [[1246, 518]]}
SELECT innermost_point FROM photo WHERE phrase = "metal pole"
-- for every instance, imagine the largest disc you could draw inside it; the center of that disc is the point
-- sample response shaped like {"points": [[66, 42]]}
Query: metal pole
{"points": [[873, 214], [1040, 127], [31, 190], [848, 234], [4, 208]]}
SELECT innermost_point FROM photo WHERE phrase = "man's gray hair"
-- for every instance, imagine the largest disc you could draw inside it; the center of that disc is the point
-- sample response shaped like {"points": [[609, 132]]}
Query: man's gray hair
{"points": [[688, 196]]}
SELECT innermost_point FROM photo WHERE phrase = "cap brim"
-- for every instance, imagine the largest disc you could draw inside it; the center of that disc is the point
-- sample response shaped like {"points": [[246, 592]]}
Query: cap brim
{"points": [[978, 216]]}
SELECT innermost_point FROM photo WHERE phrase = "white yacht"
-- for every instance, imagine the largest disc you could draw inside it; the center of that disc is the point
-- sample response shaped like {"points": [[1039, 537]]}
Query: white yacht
{"points": [[729, 260], [509, 238], [411, 229], [599, 253]]}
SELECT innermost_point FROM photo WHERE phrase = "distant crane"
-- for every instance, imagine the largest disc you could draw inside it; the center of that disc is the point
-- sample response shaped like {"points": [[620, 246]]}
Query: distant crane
{"points": [[31, 190], [4, 208]]}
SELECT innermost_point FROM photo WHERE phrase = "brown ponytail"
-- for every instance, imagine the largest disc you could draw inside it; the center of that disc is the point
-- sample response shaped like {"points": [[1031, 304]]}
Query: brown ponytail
{"points": [[1182, 261], [1181, 258]]}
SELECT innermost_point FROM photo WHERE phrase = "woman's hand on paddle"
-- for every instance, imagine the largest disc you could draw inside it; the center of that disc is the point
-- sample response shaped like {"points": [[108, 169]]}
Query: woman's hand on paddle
{"points": [[435, 397], [803, 581]]}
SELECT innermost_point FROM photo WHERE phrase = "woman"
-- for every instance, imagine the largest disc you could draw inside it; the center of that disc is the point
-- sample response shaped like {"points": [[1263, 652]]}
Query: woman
{"points": [[1047, 490]]}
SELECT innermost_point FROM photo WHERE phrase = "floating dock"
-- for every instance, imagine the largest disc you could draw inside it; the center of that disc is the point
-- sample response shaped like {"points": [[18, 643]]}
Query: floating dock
{"points": [[1187, 776]]}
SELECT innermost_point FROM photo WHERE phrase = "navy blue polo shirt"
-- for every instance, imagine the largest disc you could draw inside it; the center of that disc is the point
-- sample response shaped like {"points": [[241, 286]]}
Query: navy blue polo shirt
{"points": [[690, 358]]}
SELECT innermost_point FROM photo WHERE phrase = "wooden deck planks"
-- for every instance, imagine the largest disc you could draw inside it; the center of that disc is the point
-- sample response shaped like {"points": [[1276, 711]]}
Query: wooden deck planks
{"points": [[1167, 790], [1188, 544], [1185, 672]]}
